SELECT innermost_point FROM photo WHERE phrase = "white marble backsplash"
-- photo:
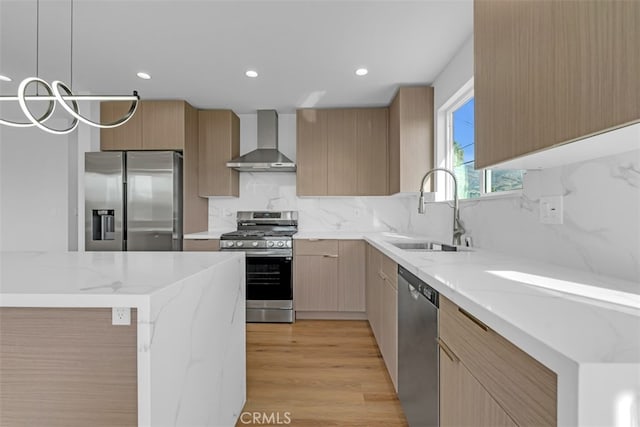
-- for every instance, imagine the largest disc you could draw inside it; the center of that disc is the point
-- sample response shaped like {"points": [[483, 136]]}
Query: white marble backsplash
{"points": [[600, 234], [277, 191], [601, 230]]}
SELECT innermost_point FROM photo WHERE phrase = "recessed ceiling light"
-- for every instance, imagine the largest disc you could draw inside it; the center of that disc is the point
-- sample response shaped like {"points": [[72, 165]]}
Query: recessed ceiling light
{"points": [[251, 73], [362, 72], [145, 76], [5, 78]]}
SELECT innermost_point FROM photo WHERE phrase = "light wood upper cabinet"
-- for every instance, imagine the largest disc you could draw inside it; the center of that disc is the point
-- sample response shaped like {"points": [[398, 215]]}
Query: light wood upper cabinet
{"points": [[522, 386], [125, 137], [219, 142], [372, 158], [549, 72], [312, 152], [410, 138], [342, 152]]}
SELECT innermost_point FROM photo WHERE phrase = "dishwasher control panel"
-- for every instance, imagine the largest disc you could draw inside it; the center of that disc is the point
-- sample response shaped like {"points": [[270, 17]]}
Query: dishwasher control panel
{"points": [[424, 289]]}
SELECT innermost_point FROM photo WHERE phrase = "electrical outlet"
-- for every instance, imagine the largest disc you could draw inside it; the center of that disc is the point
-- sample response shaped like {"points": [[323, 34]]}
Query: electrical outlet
{"points": [[121, 316], [551, 210]]}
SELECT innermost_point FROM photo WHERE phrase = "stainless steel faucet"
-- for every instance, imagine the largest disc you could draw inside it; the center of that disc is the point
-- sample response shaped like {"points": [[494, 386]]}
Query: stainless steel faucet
{"points": [[458, 229]]}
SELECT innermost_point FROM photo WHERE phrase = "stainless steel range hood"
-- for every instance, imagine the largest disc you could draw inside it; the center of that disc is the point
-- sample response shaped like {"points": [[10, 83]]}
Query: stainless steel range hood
{"points": [[266, 158]]}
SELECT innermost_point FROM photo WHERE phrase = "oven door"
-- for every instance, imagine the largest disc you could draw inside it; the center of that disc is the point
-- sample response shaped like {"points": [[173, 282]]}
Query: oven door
{"points": [[269, 277]]}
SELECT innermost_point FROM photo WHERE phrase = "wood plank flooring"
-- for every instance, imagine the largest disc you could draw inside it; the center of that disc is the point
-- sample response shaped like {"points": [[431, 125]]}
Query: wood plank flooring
{"points": [[320, 372]]}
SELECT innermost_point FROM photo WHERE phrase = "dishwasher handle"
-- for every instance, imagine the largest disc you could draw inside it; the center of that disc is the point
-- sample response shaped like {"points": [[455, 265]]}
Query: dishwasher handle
{"points": [[413, 292]]}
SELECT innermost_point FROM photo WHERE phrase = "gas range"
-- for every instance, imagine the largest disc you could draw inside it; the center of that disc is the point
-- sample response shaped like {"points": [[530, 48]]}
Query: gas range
{"points": [[266, 238]]}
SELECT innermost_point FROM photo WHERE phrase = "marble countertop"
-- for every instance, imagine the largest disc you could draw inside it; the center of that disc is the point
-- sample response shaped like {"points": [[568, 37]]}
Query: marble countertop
{"points": [[97, 279], [209, 234]]}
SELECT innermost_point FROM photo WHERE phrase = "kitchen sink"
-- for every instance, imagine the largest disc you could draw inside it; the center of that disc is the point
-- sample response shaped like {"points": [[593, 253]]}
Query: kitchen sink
{"points": [[425, 246]]}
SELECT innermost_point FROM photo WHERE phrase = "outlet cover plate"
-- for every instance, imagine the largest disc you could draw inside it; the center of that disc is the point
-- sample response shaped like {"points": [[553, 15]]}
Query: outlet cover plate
{"points": [[551, 210], [121, 316]]}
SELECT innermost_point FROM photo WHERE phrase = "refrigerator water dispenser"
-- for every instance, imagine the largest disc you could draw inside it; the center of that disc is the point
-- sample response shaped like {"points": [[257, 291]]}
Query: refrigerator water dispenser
{"points": [[103, 224]]}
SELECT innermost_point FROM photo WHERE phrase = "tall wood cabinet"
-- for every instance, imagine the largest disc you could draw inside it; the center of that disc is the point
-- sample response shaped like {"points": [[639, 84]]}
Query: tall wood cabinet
{"points": [[410, 138], [124, 137], [549, 72], [329, 275], [342, 152], [219, 142]]}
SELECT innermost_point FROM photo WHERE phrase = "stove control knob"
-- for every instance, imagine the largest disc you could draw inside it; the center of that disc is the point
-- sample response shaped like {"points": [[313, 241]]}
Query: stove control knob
{"points": [[270, 244], [280, 244], [239, 244], [228, 244], [254, 244], [289, 243]]}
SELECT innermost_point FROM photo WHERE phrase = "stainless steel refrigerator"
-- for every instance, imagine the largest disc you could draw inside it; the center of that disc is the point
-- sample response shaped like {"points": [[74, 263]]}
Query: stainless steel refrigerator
{"points": [[133, 201]]}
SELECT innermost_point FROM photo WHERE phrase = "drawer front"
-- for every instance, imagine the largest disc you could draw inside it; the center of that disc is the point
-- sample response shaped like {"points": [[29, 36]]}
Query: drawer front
{"points": [[315, 247], [524, 387], [200, 245], [390, 271]]}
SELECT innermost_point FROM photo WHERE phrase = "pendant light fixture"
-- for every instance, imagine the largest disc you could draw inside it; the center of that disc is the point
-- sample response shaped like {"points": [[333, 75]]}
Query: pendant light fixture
{"points": [[59, 93]]}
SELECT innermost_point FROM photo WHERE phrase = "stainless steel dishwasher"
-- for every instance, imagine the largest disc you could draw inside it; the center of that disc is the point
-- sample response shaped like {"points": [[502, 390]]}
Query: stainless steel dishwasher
{"points": [[417, 350]]}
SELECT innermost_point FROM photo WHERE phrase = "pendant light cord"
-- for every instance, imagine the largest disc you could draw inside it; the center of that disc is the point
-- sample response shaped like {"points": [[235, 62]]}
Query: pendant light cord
{"points": [[37, 44], [71, 53]]}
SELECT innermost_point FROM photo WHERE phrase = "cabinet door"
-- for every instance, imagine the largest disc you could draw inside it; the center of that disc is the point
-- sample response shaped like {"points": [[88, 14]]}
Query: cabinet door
{"points": [[219, 142], [342, 150], [125, 137], [372, 151], [200, 245], [463, 400], [163, 125], [374, 291], [311, 156], [351, 275], [389, 347], [316, 283]]}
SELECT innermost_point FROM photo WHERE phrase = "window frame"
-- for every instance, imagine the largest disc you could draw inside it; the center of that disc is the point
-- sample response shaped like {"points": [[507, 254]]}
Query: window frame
{"points": [[444, 149]]}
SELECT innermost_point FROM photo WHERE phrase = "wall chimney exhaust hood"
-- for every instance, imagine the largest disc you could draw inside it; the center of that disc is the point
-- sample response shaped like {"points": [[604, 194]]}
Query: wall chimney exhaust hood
{"points": [[266, 158]]}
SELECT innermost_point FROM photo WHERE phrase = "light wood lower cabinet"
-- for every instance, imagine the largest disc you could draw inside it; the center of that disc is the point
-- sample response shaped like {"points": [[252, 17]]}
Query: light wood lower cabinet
{"points": [[67, 367], [524, 388], [382, 307], [329, 275], [200, 245], [463, 400]]}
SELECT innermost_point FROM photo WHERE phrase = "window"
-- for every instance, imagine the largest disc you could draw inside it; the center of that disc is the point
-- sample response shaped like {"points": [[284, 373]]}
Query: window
{"points": [[458, 153]]}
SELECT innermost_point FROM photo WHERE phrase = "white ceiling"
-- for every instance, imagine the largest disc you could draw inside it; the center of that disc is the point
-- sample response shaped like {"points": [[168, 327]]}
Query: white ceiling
{"points": [[305, 51]]}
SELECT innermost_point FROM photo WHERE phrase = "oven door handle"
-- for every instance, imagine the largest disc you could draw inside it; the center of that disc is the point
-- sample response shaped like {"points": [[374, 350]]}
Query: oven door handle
{"points": [[268, 254]]}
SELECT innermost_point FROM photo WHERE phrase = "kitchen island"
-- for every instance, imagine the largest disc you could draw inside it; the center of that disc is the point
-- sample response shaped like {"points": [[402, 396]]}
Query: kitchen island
{"points": [[183, 355]]}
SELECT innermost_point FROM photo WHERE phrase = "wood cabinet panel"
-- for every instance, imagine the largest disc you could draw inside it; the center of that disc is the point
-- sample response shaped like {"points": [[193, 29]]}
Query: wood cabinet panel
{"points": [[315, 283], [374, 291], [550, 72], [343, 155], [315, 247], [163, 124], [463, 400], [351, 275], [195, 209], [67, 367], [219, 142], [389, 344], [410, 138], [312, 152], [372, 136], [200, 245], [525, 388], [125, 137], [389, 270]]}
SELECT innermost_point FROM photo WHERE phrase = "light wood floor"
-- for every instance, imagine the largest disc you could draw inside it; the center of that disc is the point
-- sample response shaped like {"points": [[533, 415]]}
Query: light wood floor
{"points": [[324, 373]]}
